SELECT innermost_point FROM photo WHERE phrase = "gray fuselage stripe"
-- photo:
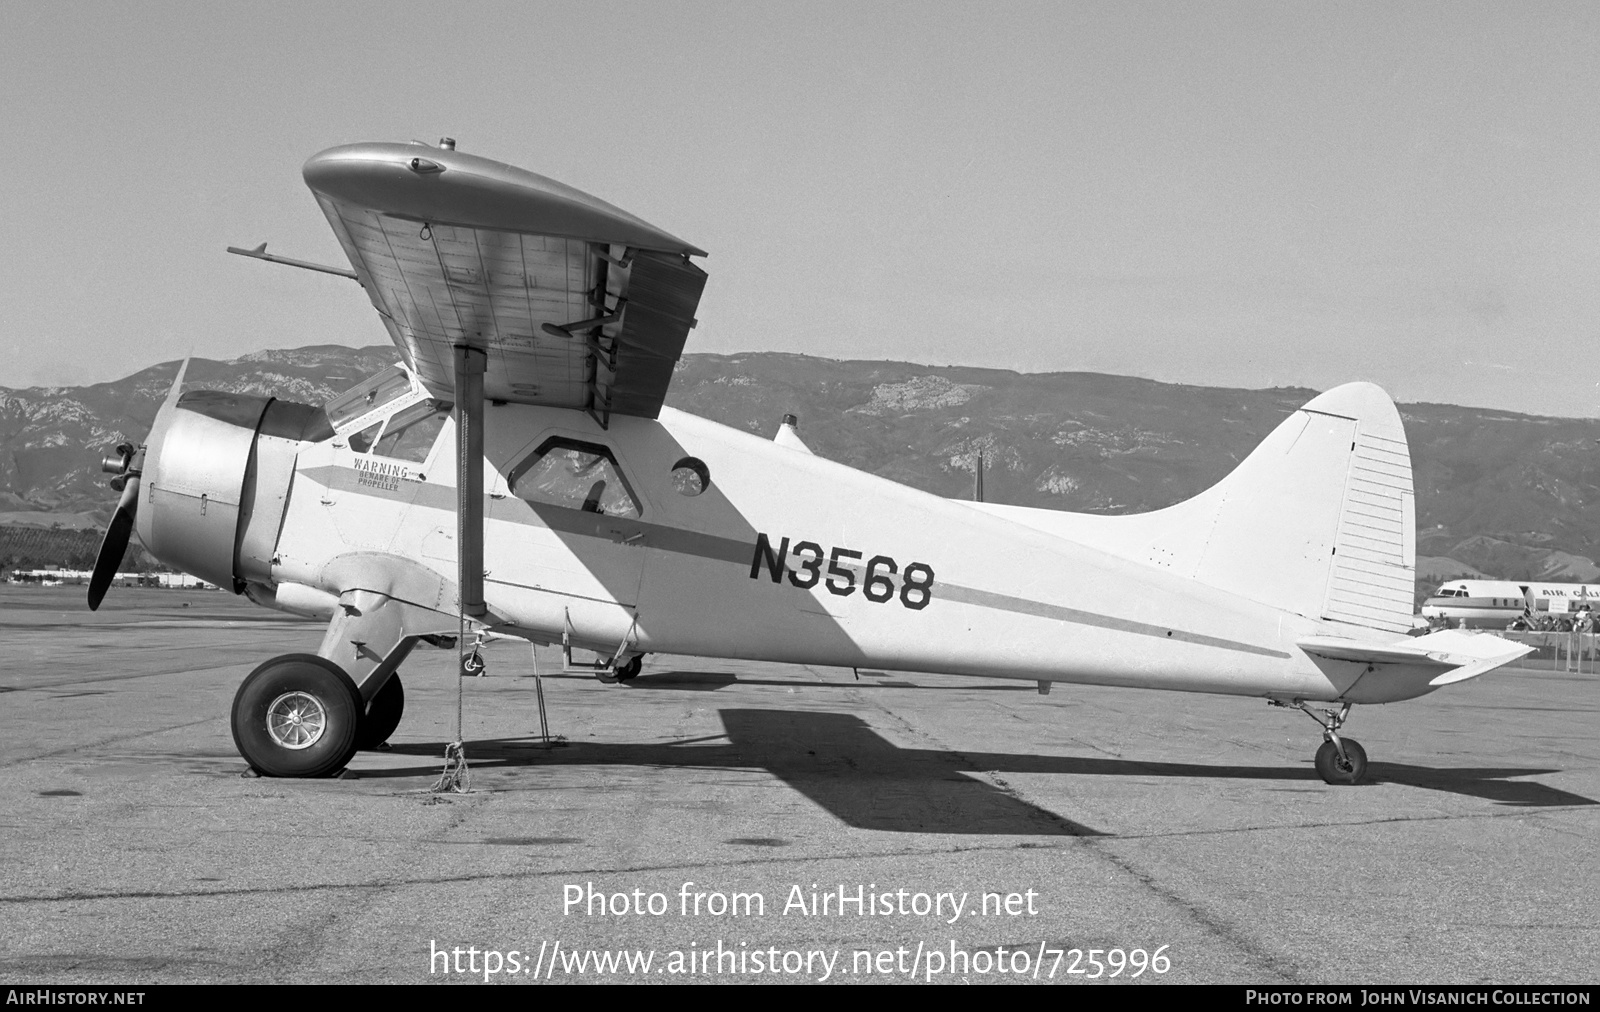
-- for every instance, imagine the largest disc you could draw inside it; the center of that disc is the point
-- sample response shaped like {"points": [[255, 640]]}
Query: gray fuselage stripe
{"points": [[1025, 606]]}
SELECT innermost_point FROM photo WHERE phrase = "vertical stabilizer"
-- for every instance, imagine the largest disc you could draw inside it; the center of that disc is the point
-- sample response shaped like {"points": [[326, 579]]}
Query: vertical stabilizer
{"points": [[1318, 520]]}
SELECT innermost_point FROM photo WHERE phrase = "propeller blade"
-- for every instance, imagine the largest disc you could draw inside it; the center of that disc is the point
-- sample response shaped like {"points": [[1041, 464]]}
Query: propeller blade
{"points": [[114, 544], [177, 384]]}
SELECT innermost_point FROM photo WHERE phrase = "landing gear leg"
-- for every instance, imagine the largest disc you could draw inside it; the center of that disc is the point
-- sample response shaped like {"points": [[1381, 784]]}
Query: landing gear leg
{"points": [[1339, 760], [368, 641]]}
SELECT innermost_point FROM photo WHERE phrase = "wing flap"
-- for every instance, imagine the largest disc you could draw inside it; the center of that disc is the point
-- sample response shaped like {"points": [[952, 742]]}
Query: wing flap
{"points": [[662, 296]]}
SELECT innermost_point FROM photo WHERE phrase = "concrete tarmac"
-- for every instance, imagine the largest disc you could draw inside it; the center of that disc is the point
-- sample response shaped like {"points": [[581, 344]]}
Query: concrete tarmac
{"points": [[1132, 822]]}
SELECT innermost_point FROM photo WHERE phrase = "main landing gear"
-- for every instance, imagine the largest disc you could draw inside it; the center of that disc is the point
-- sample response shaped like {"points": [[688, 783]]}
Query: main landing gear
{"points": [[1339, 760], [300, 715]]}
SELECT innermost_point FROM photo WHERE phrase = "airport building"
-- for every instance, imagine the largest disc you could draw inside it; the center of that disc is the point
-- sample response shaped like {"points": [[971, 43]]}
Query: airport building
{"points": [[75, 577]]}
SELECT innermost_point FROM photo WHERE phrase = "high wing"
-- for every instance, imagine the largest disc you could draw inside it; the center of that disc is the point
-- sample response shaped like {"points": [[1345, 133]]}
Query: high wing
{"points": [[577, 303]]}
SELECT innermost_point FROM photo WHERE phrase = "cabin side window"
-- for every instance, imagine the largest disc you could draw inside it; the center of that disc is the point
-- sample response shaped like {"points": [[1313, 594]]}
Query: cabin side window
{"points": [[576, 475]]}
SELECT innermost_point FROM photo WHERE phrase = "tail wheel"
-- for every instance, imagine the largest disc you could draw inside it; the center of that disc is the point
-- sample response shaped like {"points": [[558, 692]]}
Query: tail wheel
{"points": [[1349, 770], [382, 715], [621, 672], [297, 716]]}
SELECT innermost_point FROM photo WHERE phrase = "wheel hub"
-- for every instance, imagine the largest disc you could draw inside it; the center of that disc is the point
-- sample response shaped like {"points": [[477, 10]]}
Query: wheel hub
{"points": [[296, 720]]}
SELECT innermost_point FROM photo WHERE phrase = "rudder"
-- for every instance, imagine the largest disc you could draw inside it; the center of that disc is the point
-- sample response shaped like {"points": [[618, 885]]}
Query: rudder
{"points": [[1373, 569], [1319, 520]]}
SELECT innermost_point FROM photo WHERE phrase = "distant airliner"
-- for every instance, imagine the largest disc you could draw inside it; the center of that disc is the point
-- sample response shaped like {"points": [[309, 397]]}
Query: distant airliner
{"points": [[1486, 604]]}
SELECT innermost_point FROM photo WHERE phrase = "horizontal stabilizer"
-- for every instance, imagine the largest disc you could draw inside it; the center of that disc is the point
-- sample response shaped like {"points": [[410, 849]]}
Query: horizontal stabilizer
{"points": [[1461, 655]]}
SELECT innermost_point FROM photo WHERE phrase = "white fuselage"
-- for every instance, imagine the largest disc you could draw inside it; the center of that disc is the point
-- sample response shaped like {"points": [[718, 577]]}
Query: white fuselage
{"points": [[772, 562]]}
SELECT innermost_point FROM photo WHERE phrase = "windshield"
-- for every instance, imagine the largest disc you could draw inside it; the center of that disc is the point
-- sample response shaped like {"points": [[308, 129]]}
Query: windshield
{"points": [[410, 433]]}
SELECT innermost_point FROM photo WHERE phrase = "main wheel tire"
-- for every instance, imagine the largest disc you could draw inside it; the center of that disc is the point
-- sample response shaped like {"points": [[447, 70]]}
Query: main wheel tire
{"points": [[382, 716], [1335, 772], [630, 670], [297, 716]]}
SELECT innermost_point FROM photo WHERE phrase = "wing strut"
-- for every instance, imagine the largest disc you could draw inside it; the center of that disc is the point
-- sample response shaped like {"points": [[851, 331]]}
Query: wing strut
{"points": [[469, 368], [470, 363]]}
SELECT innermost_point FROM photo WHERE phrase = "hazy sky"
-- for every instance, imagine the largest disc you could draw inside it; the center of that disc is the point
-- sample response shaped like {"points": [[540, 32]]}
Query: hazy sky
{"points": [[1241, 194]]}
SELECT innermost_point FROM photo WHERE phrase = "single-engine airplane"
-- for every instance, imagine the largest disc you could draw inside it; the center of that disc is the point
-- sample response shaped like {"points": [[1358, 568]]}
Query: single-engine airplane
{"points": [[539, 328]]}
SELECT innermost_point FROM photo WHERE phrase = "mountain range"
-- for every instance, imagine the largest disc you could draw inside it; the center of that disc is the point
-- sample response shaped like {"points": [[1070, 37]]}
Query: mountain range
{"points": [[1498, 494]]}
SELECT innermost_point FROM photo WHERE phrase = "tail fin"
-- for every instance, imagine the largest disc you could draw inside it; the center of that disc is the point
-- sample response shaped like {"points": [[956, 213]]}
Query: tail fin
{"points": [[1319, 520]]}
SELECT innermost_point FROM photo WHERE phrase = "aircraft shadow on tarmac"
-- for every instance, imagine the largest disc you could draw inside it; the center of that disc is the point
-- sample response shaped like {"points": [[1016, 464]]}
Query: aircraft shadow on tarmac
{"points": [[839, 762], [835, 759]]}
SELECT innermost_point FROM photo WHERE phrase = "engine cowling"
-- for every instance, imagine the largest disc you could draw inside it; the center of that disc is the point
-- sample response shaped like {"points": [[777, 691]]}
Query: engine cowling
{"points": [[216, 482]]}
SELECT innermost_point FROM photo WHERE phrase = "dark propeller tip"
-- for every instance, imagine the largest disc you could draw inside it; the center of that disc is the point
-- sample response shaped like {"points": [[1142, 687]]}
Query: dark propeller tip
{"points": [[114, 544]]}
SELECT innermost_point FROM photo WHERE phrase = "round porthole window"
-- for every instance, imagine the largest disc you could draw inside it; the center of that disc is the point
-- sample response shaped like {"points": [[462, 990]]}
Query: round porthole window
{"points": [[690, 476]]}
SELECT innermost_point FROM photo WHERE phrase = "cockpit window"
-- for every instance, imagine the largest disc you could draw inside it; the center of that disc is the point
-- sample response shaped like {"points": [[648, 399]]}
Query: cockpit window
{"points": [[409, 434], [361, 441], [577, 475], [368, 395]]}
